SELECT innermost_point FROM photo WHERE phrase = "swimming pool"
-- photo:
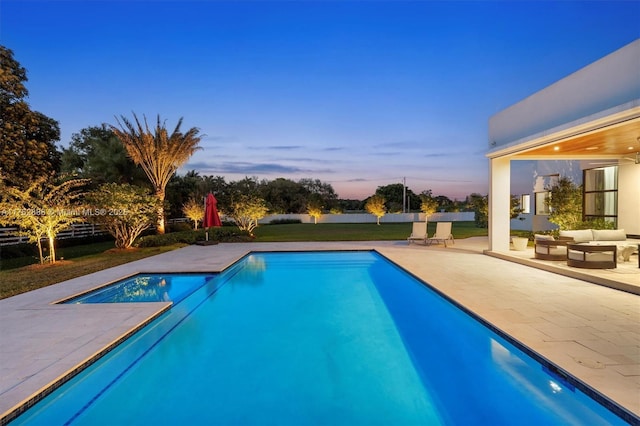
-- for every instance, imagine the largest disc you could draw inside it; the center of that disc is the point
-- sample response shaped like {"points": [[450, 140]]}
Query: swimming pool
{"points": [[317, 338], [145, 288]]}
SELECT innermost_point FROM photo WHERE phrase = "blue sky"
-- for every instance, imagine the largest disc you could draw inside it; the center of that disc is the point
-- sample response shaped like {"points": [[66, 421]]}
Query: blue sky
{"points": [[355, 93]]}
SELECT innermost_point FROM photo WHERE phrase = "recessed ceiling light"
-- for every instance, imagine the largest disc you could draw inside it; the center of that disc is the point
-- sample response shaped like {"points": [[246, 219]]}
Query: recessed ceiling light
{"points": [[591, 148], [630, 147], [556, 148]]}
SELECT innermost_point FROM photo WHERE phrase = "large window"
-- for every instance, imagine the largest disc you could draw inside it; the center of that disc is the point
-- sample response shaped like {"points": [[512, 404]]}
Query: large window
{"points": [[541, 188], [542, 207], [601, 194], [525, 203]]}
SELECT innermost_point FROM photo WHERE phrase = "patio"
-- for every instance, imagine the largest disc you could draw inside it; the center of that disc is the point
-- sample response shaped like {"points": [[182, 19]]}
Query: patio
{"points": [[625, 277], [590, 331]]}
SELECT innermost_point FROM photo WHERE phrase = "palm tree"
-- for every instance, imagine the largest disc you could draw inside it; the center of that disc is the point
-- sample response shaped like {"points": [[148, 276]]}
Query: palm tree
{"points": [[158, 153]]}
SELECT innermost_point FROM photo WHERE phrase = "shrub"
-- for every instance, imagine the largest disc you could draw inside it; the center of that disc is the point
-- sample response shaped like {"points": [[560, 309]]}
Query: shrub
{"points": [[376, 206], [284, 221], [18, 250], [599, 223], [194, 210], [565, 204], [179, 227], [246, 210], [125, 211], [190, 237]]}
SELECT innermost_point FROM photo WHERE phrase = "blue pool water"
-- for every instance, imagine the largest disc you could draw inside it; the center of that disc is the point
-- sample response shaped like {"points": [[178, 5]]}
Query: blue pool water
{"points": [[146, 288], [329, 338]]}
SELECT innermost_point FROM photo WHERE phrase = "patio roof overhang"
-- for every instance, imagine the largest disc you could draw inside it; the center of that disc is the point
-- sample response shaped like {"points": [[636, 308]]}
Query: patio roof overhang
{"points": [[613, 134]]}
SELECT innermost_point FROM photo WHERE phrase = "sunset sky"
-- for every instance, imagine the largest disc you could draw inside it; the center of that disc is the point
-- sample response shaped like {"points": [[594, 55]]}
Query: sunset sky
{"points": [[359, 94]]}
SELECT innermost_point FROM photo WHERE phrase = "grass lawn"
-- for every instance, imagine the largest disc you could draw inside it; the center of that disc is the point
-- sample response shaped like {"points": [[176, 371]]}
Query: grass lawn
{"points": [[82, 260], [61, 253], [354, 231], [21, 280]]}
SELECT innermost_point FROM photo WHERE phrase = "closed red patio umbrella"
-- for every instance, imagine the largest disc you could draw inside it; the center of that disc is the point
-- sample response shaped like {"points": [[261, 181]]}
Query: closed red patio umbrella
{"points": [[211, 216]]}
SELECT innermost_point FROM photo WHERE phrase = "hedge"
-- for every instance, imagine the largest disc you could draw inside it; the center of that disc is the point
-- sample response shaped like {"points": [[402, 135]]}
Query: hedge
{"points": [[223, 235]]}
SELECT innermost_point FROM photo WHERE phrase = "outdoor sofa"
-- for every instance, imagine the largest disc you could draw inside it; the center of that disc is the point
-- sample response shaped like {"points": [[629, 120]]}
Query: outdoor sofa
{"points": [[545, 247], [598, 248]]}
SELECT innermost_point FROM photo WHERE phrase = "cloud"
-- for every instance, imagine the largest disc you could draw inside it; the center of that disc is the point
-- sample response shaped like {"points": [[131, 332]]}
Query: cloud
{"points": [[311, 160], [277, 147], [439, 154], [219, 139], [409, 144], [245, 168], [387, 153], [213, 138]]}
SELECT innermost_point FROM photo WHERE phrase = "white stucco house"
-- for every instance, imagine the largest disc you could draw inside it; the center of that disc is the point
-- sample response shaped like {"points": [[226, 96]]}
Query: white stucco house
{"points": [[591, 116]]}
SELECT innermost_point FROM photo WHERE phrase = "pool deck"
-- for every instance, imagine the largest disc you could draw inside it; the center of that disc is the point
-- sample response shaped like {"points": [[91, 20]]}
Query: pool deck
{"points": [[590, 331]]}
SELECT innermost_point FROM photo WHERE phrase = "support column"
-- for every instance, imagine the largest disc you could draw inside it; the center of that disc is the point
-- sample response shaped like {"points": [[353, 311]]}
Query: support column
{"points": [[499, 204]]}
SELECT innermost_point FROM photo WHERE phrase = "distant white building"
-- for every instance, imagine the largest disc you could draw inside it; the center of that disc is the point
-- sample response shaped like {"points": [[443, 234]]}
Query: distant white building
{"points": [[591, 116]]}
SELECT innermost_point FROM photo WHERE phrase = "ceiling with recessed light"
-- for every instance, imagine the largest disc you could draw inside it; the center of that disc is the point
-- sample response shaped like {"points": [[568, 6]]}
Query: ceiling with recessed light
{"points": [[620, 140]]}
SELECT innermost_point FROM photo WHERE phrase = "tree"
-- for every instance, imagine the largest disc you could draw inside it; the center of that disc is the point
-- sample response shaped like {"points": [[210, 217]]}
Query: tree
{"points": [[96, 153], [157, 152], [42, 210], [323, 191], [124, 210], [284, 196], [194, 210], [246, 210], [480, 206], [218, 187], [428, 204], [249, 186], [181, 189], [314, 207], [394, 194], [565, 204], [27, 138], [376, 206], [444, 202], [515, 207]]}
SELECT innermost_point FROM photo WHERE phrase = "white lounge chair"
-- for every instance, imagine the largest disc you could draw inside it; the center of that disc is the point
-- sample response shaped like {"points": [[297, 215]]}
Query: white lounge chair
{"points": [[419, 232], [442, 234]]}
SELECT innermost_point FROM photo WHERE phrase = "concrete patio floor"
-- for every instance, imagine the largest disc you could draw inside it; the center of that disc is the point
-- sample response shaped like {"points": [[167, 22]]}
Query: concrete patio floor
{"points": [[588, 330]]}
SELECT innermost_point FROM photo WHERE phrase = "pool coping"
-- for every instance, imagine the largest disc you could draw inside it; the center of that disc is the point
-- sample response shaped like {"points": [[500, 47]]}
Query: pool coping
{"points": [[199, 259], [48, 389]]}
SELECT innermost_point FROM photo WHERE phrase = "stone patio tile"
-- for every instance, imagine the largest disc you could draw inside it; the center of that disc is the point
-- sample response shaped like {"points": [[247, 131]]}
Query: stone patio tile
{"points": [[628, 370], [608, 348], [622, 338], [556, 333], [41, 341], [615, 326]]}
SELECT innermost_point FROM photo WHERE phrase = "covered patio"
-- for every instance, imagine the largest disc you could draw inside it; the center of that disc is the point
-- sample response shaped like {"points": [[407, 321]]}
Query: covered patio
{"points": [[625, 277], [591, 116]]}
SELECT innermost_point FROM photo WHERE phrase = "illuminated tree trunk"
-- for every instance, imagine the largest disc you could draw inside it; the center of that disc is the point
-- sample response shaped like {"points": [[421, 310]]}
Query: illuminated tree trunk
{"points": [[40, 251], [160, 210], [52, 248]]}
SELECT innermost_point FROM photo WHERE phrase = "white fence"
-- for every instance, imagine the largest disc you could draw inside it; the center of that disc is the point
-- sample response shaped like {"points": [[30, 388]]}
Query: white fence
{"points": [[9, 236], [369, 218]]}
